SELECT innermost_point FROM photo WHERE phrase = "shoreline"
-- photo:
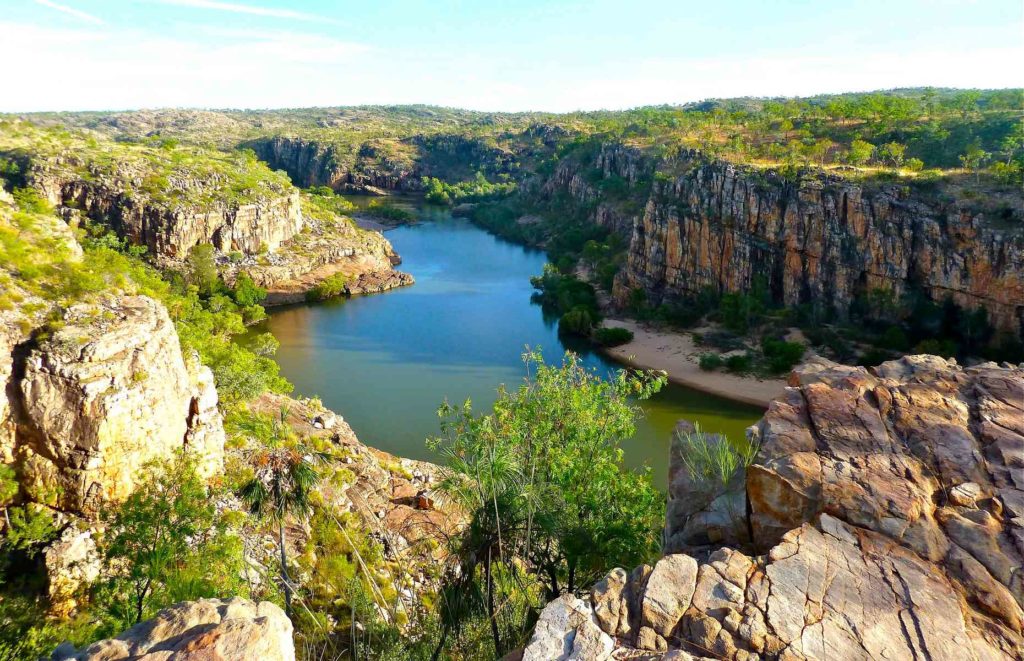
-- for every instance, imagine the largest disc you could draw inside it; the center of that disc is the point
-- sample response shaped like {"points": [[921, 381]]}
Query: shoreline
{"points": [[677, 355]]}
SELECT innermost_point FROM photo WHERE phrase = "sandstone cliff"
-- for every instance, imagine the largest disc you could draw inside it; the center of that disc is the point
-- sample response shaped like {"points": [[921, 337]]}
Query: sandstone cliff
{"points": [[171, 230], [693, 222], [197, 631], [103, 395], [377, 165], [887, 507]]}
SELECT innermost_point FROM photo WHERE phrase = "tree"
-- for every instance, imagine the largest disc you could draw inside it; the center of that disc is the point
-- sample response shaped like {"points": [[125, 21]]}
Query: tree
{"points": [[543, 480], [893, 153], [284, 477], [203, 269], [246, 292], [860, 152], [167, 543], [973, 158]]}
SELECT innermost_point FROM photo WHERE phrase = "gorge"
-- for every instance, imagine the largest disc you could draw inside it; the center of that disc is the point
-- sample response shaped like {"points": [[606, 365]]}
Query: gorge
{"points": [[185, 341]]}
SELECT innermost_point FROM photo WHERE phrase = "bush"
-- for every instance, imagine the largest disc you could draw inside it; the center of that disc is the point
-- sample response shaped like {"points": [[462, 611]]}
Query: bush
{"points": [[782, 356], [945, 348], [331, 287], [612, 337], [577, 321], [388, 211], [246, 292], [873, 356], [739, 363], [710, 362]]}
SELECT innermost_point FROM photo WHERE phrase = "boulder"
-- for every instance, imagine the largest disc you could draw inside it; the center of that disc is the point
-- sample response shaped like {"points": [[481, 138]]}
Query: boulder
{"points": [[198, 631], [887, 505], [105, 394], [72, 564], [567, 629]]}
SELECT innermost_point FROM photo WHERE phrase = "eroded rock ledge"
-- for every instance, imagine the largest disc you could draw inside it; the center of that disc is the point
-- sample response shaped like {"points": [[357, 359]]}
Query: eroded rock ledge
{"points": [[888, 505]]}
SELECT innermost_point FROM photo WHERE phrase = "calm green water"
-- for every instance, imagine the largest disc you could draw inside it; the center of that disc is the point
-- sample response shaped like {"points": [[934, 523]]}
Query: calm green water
{"points": [[386, 362]]}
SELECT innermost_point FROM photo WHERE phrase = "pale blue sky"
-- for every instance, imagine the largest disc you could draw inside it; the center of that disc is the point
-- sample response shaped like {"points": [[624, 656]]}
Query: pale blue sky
{"points": [[524, 55]]}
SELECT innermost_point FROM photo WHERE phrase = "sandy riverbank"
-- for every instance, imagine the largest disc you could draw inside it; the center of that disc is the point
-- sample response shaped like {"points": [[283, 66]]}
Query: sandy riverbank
{"points": [[678, 355]]}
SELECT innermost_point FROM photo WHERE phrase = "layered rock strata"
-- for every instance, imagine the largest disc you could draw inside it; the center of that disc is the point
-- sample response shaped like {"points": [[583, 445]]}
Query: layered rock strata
{"points": [[170, 231], [886, 505]]}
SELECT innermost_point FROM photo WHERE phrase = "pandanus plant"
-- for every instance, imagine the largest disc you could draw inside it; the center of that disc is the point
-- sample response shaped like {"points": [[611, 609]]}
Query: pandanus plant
{"points": [[284, 479]]}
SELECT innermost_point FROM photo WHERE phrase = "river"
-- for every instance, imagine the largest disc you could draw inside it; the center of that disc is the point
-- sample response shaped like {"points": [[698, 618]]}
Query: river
{"points": [[386, 362]]}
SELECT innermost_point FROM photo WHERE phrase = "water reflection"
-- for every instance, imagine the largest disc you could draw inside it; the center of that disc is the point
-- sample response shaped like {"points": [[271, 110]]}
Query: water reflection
{"points": [[386, 362]]}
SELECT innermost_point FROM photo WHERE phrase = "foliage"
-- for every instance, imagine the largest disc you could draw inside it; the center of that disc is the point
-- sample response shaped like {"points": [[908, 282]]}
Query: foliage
{"points": [[709, 362], [576, 321], [739, 363], [284, 477], [30, 528], [712, 460], [781, 356], [166, 543], [543, 481], [563, 293], [477, 190], [202, 269], [390, 211], [332, 286], [246, 292], [613, 336]]}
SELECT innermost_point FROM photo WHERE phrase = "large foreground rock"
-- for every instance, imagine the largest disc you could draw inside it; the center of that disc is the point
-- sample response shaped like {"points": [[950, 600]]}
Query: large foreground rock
{"points": [[204, 630], [887, 505], [107, 393]]}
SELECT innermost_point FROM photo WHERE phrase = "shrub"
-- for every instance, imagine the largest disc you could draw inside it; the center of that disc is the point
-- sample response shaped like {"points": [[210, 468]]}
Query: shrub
{"points": [[782, 356], [945, 348], [30, 201], [388, 211], [246, 292], [873, 356], [710, 362], [739, 363], [330, 287], [577, 321], [612, 337]]}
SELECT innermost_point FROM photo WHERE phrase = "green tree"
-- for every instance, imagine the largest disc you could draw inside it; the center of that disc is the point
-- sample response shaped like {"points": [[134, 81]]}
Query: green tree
{"points": [[543, 480], [284, 477], [203, 269], [973, 158], [892, 153], [167, 543], [860, 152], [246, 292]]}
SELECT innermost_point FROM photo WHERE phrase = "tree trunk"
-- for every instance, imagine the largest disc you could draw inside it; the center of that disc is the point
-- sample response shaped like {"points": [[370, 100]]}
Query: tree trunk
{"points": [[490, 606], [440, 644], [284, 569]]}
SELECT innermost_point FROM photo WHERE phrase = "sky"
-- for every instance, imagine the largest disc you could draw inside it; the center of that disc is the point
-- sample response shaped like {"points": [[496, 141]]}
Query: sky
{"points": [[494, 55]]}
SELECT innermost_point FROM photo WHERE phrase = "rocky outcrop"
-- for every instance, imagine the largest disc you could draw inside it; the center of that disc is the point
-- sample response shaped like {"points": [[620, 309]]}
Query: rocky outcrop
{"points": [[171, 230], [107, 392], [378, 166], [693, 222], [200, 630], [342, 167], [885, 504], [824, 240]]}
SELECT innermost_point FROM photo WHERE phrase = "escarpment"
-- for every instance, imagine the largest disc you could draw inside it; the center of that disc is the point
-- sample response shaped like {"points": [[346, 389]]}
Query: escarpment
{"points": [[693, 222], [882, 519], [380, 165], [170, 229]]}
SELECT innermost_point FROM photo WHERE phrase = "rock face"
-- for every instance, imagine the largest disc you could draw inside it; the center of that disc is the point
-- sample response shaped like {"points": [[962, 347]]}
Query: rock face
{"points": [[201, 630], [693, 222], [887, 505], [102, 396], [169, 231], [378, 166]]}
